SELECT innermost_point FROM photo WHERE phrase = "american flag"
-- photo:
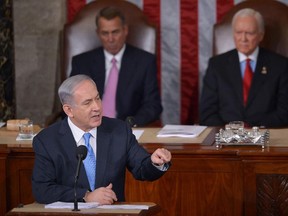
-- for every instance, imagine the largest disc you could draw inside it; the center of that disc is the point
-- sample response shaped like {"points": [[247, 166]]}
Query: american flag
{"points": [[185, 45]]}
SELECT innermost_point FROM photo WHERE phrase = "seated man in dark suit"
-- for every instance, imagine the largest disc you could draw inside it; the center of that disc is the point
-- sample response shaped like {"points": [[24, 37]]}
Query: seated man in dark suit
{"points": [[137, 98], [114, 148], [236, 89]]}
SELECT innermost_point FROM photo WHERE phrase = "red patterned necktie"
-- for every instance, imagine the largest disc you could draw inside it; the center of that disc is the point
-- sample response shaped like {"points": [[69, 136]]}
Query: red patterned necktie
{"points": [[248, 75], [109, 97]]}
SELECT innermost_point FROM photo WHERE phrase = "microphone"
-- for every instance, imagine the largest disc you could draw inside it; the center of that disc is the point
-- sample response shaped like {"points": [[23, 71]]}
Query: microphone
{"points": [[81, 153], [131, 121]]}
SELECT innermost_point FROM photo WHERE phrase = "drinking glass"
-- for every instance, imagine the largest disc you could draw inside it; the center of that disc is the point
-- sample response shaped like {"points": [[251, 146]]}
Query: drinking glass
{"points": [[26, 129]]}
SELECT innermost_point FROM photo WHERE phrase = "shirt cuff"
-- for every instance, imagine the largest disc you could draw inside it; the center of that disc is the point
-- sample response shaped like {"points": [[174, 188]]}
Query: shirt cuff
{"points": [[163, 167]]}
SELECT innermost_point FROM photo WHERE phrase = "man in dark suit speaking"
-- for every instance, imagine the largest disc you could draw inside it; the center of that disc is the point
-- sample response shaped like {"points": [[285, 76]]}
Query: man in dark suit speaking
{"points": [[248, 83], [113, 148], [136, 96]]}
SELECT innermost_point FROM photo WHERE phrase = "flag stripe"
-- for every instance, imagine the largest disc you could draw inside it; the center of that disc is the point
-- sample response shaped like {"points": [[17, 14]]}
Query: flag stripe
{"points": [[189, 60], [206, 18], [151, 9], [73, 6], [170, 61], [222, 7]]}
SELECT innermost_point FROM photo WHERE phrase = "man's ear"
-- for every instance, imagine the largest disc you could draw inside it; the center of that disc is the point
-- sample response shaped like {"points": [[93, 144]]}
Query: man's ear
{"points": [[68, 110]]}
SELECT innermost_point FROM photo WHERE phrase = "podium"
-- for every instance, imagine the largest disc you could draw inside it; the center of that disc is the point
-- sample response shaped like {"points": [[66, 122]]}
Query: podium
{"points": [[40, 210]]}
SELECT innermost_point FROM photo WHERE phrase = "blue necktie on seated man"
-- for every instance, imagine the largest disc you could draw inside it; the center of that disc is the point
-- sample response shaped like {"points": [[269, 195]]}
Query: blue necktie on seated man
{"points": [[90, 162]]}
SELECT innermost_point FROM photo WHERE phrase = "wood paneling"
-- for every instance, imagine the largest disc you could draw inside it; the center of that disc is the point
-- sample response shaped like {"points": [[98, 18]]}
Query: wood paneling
{"points": [[266, 187], [3, 183], [19, 172], [203, 180], [195, 186]]}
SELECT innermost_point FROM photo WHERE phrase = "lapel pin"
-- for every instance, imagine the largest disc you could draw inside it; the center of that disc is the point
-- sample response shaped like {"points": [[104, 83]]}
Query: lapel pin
{"points": [[264, 70]]}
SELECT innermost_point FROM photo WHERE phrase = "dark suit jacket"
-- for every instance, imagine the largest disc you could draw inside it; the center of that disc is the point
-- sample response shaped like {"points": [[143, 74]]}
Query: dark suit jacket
{"points": [[55, 161], [137, 91], [222, 94]]}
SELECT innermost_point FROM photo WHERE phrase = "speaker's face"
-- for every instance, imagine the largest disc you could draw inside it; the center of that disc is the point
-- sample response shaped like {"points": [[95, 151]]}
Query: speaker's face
{"points": [[86, 110]]}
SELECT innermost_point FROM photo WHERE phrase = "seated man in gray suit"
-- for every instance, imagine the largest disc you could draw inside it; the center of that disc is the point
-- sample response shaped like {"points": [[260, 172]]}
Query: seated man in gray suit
{"points": [[137, 98], [248, 83]]}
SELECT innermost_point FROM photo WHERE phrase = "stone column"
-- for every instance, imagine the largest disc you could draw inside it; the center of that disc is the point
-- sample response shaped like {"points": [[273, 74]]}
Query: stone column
{"points": [[7, 99]]}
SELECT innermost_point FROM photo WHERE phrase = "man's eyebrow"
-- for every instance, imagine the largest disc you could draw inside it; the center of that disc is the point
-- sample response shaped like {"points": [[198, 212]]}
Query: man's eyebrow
{"points": [[86, 100]]}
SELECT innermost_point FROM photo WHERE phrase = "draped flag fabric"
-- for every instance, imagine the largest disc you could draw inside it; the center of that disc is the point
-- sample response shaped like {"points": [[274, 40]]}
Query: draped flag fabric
{"points": [[185, 45]]}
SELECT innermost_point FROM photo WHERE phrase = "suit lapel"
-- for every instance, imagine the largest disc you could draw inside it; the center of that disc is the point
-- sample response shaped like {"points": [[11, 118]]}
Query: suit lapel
{"points": [[103, 144], [98, 68], [258, 77], [126, 73], [234, 75], [68, 143]]}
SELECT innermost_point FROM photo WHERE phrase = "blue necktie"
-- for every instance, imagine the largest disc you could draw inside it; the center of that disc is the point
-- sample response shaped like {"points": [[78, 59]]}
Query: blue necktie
{"points": [[90, 162]]}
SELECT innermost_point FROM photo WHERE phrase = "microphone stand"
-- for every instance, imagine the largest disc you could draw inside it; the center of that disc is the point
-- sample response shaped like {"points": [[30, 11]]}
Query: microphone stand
{"points": [[81, 155], [75, 200], [75, 186]]}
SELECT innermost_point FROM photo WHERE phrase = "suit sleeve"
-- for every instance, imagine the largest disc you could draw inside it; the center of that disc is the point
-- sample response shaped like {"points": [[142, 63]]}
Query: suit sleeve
{"points": [[75, 68], [47, 177], [209, 110], [278, 117], [151, 108], [139, 161]]}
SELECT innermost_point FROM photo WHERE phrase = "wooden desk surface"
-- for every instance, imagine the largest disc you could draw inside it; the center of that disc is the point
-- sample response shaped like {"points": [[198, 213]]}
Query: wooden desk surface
{"points": [[150, 136], [203, 143], [8, 137], [278, 137], [39, 209]]}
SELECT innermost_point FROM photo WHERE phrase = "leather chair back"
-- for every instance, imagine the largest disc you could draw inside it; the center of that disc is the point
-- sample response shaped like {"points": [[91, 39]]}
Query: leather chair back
{"points": [[80, 35], [275, 16]]}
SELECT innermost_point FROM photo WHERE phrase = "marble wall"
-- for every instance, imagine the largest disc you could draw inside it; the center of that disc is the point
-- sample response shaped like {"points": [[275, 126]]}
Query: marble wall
{"points": [[7, 102], [37, 26]]}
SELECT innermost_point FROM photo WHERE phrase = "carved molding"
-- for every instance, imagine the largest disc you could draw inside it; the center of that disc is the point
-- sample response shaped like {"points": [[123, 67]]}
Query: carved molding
{"points": [[272, 194]]}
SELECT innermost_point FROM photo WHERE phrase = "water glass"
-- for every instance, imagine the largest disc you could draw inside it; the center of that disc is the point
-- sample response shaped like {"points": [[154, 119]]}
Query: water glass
{"points": [[26, 130]]}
